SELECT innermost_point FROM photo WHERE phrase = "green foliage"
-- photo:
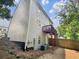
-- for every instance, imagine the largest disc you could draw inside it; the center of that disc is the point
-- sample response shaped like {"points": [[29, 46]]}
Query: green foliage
{"points": [[69, 27], [4, 11]]}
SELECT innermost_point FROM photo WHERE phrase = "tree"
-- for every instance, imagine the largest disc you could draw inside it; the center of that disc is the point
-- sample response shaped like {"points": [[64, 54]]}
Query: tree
{"points": [[69, 26], [4, 10]]}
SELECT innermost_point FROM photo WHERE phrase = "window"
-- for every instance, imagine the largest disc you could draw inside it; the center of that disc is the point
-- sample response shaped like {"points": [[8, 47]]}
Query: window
{"points": [[38, 41], [34, 41]]}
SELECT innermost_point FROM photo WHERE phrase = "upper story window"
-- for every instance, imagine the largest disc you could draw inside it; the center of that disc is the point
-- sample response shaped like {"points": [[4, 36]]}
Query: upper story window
{"points": [[39, 40]]}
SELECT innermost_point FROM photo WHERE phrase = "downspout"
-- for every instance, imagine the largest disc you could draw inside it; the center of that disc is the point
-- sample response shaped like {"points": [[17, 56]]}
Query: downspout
{"points": [[28, 26]]}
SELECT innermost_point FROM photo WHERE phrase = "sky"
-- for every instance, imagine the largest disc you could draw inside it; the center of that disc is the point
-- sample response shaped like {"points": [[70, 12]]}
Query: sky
{"points": [[4, 22], [51, 7]]}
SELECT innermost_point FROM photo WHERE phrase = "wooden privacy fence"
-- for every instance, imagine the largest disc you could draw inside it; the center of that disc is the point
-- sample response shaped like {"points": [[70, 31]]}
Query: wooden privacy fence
{"points": [[71, 44]]}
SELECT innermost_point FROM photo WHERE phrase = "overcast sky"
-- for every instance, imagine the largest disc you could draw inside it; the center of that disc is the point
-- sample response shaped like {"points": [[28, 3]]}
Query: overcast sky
{"points": [[51, 7]]}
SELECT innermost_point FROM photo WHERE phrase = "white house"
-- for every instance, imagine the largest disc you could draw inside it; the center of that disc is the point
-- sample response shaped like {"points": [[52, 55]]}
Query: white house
{"points": [[26, 24]]}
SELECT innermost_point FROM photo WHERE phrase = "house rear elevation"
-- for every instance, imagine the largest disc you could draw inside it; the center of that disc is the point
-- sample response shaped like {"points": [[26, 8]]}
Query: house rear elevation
{"points": [[26, 25]]}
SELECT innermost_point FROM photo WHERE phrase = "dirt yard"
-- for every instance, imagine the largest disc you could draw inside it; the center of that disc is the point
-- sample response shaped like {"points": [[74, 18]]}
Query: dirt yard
{"points": [[8, 50], [61, 53], [57, 54]]}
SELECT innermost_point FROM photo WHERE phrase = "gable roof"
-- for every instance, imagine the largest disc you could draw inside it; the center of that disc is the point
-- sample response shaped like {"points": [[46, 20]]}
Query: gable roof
{"points": [[41, 8]]}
